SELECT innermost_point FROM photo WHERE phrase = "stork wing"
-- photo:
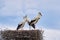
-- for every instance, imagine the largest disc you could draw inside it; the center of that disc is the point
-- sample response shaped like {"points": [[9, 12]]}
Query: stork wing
{"points": [[33, 25], [35, 20], [19, 26]]}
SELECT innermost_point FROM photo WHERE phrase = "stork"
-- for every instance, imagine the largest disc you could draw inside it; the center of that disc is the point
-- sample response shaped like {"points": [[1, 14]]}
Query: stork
{"points": [[21, 25], [34, 21]]}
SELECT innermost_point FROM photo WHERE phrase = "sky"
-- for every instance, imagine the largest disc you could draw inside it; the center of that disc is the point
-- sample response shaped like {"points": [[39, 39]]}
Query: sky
{"points": [[12, 12]]}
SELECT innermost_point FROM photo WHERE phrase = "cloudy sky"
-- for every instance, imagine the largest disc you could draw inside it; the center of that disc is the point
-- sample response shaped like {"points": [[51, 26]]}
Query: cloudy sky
{"points": [[12, 12]]}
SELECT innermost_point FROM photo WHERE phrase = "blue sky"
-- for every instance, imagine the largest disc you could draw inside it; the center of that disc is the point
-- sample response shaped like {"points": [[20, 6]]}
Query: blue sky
{"points": [[12, 12]]}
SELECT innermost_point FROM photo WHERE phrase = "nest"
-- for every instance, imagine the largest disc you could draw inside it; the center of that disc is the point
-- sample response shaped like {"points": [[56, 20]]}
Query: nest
{"points": [[22, 35]]}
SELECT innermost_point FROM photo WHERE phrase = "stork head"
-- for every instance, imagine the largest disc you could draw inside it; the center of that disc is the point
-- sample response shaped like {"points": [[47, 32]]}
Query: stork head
{"points": [[25, 17], [40, 13]]}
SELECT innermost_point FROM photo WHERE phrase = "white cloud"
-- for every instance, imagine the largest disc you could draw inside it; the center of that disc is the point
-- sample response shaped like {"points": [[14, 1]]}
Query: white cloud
{"points": [[52, 34], [7, 27], [11, 8], [17, 7]]}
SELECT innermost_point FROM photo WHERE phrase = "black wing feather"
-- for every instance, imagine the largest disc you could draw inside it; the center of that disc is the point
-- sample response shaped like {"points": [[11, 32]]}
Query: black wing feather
{"points": [[33, 26], [19, 26], [32, 21]]}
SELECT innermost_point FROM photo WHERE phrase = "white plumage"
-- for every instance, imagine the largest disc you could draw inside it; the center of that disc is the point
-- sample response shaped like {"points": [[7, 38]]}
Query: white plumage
{"points": [[34, 21], [30, 22], [21, 25]]}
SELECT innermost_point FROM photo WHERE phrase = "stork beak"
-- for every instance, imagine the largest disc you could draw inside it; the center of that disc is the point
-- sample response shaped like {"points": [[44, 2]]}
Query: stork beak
{"points": [[40, 13]]}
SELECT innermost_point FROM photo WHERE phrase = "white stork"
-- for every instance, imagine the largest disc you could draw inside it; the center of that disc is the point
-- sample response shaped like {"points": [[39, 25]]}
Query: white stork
{"points": [[21, 25], [34, 21]]}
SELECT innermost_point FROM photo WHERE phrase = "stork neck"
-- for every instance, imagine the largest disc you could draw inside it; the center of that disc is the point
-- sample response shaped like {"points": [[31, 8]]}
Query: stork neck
{"points": [[28, 21]]}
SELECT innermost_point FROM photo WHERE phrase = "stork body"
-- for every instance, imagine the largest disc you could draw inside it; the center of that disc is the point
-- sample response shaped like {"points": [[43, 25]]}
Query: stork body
{"points": [[21, 25], [30, 24], [34, 21]]}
